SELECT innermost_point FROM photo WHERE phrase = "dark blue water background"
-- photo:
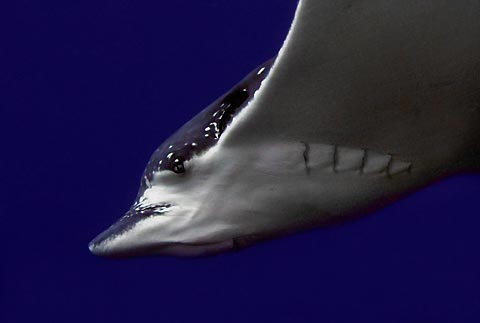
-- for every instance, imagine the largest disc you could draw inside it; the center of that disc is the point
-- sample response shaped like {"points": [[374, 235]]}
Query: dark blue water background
{"points": [[88, 89]]}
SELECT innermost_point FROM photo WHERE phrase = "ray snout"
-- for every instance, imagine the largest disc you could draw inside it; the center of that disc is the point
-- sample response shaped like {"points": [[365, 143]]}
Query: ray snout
{"points": [[146, 232], [104, 243]]}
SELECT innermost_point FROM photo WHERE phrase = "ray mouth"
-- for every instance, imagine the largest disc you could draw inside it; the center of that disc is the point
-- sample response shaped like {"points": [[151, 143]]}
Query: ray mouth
{"points": [[135, 215]]}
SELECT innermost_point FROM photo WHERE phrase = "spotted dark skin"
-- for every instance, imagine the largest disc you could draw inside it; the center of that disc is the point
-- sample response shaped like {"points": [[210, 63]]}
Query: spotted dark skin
{"points": [[205, 129]]}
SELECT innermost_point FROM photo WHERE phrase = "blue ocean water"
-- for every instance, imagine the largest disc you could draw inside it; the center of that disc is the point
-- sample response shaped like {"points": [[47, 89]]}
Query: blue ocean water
{"points": [[89, 89]]}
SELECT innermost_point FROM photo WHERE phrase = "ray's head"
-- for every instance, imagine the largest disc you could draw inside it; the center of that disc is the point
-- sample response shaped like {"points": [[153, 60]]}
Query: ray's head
{"points": [[180, 207]]}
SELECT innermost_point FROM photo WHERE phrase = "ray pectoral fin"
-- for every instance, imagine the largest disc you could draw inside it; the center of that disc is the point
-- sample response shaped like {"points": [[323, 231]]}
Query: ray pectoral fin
{"points": [[354, 76]]}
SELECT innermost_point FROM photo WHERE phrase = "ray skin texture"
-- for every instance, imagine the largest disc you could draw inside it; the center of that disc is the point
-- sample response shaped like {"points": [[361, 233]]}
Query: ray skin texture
{"points": [[365, 102]]}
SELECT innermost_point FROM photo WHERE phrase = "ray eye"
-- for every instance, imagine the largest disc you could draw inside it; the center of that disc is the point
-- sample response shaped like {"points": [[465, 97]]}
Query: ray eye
{"points": [[177, 165]]}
